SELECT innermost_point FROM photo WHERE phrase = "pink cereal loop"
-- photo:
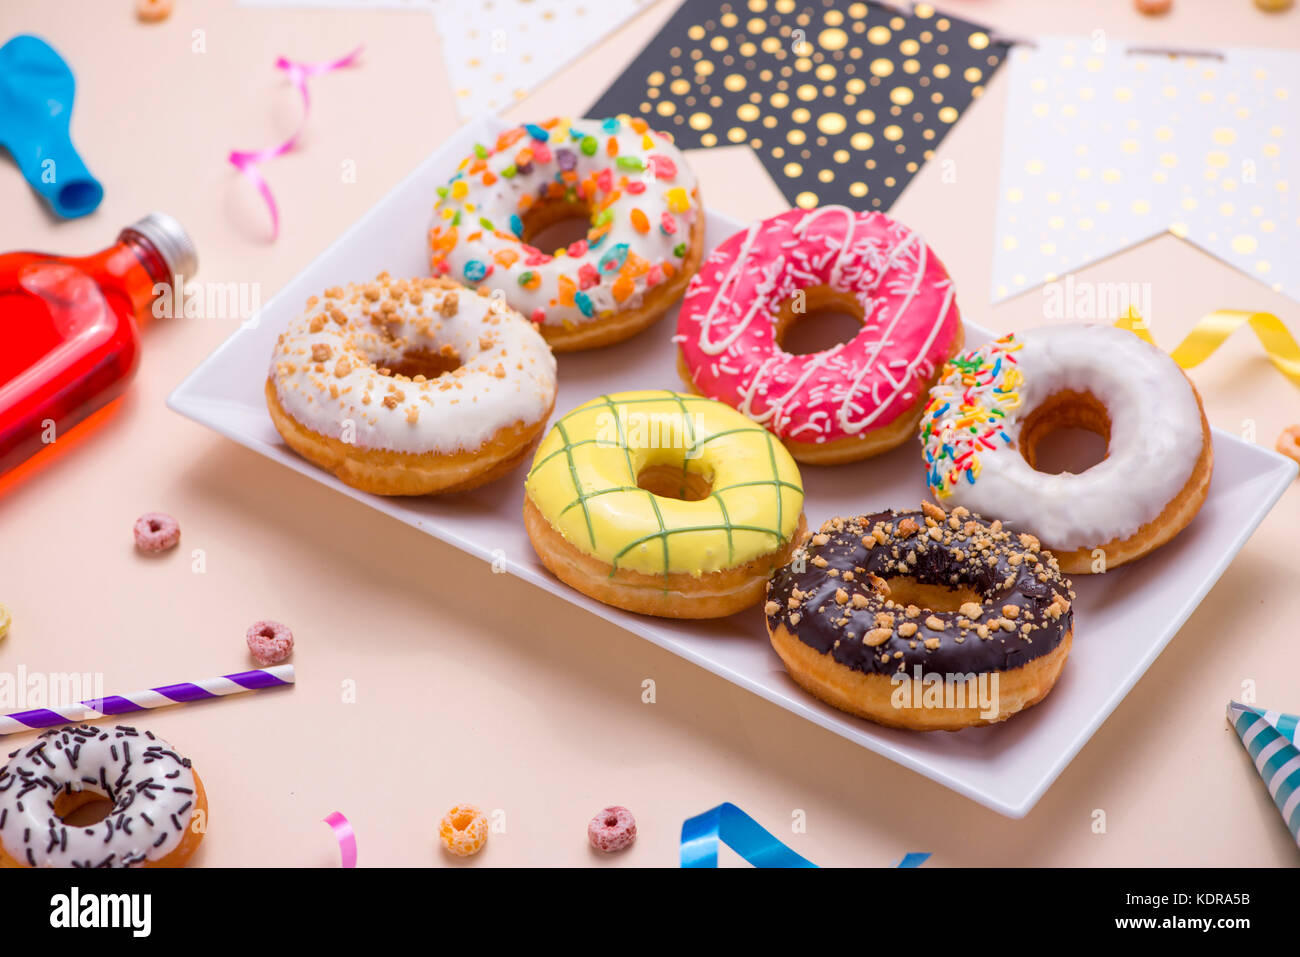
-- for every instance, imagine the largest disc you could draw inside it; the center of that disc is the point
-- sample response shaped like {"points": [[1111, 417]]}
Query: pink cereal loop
{"points": [[726, 329], [156, 532], [270, 642], [613, 829]]}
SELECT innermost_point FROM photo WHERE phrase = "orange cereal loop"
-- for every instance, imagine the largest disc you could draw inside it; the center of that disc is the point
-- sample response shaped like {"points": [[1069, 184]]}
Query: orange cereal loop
{"points": [[640, 222], [634, 266], [623, 288], [1153, 7], [151, 11], [1288, 443], [463, 830]]}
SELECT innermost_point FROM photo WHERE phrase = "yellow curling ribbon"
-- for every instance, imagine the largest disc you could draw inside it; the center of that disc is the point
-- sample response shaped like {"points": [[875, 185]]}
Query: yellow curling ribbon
{"points": [[1212, 330]]}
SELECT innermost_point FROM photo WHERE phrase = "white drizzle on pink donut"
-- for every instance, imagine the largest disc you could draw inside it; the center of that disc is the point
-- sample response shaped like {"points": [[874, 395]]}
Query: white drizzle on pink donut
{"points": [[910, 321]]}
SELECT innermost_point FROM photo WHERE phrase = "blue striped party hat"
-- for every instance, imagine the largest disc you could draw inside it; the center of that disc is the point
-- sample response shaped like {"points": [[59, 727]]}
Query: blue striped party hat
{"points": [[1269, 737]]}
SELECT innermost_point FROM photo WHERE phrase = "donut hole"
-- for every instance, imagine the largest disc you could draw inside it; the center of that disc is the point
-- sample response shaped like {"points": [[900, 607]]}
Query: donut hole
{"points": [[1068, 432], [930, 597], [822, 320], [82, 808], [674, 481], [423, 362], [555, 223]]}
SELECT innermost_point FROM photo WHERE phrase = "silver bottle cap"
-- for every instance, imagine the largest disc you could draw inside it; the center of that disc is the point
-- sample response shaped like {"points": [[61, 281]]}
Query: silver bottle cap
{"points": [[172, 242]]}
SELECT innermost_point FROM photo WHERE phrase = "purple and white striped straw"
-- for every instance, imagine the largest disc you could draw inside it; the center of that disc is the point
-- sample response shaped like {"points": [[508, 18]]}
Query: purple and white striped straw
{"points": [[184, 693]]}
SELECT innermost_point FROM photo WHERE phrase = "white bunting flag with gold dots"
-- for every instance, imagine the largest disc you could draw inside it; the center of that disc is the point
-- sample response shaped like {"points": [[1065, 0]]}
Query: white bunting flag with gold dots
{"points": [[342, 4], [1105, 146], [497, 51]]}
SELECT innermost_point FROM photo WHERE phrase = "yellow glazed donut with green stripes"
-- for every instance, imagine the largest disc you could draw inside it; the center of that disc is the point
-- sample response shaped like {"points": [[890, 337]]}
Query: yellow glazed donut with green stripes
{"points": [[664, 504]]}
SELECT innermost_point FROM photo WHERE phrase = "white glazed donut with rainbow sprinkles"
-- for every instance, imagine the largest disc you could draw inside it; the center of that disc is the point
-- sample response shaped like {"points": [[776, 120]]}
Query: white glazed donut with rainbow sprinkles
{"points": [[644, 240], [993, 406]]}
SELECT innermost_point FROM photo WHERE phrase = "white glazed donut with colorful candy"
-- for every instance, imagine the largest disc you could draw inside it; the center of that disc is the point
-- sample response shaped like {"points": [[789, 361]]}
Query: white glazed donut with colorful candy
{"points": [[855, 399], [994, 404], [644, 242]]}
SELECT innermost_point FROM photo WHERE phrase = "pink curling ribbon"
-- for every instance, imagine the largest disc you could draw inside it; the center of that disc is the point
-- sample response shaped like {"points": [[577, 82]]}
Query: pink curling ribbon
{"points": [[246, 160], [342, 829]]}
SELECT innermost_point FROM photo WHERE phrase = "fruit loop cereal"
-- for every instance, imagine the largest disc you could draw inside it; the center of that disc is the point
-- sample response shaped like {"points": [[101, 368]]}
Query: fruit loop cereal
{"points": [[156, 532], [1288, 443], [463, 830], [270, 642], [151, 11], [613, 829]]}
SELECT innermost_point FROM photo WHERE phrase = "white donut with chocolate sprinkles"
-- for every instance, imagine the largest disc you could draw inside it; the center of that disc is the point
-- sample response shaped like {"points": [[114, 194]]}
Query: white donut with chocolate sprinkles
{"points": [[923, 619], [156, 795]]}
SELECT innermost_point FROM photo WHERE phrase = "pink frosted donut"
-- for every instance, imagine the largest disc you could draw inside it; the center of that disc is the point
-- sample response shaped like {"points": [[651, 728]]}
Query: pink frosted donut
{"points": [[855, 399]]}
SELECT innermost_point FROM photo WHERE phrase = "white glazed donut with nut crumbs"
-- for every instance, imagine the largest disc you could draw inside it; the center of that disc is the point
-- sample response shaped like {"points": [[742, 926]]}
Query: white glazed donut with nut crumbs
{"points": [[411, 386]]}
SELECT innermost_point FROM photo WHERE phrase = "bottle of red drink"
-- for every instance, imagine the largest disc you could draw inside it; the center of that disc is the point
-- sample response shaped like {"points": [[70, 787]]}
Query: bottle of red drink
{"points": [[70, 329]]}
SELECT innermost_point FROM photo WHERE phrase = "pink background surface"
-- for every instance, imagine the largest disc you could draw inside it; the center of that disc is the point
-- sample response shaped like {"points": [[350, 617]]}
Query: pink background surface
{"points": [[476, 687]]}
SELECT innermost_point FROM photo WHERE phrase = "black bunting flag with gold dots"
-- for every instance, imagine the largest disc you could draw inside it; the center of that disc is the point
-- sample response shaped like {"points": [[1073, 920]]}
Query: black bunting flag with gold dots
{"points": [[842, 102]]}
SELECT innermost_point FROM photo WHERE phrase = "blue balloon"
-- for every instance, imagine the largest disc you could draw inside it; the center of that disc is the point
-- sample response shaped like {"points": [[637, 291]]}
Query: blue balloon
{"points": [[36, 93]]}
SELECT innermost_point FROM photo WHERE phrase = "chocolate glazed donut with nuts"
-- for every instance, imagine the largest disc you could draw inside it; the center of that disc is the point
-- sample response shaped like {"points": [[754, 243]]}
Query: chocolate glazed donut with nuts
{"points": [[922, 619]]}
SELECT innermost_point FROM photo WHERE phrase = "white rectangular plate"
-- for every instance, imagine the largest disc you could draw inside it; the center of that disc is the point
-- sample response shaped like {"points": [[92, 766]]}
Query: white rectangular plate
{"points": [[1123, 619]]}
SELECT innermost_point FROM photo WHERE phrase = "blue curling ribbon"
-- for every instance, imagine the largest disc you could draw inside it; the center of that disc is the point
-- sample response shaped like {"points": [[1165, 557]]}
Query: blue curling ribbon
{"points": [[740, 832]]}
